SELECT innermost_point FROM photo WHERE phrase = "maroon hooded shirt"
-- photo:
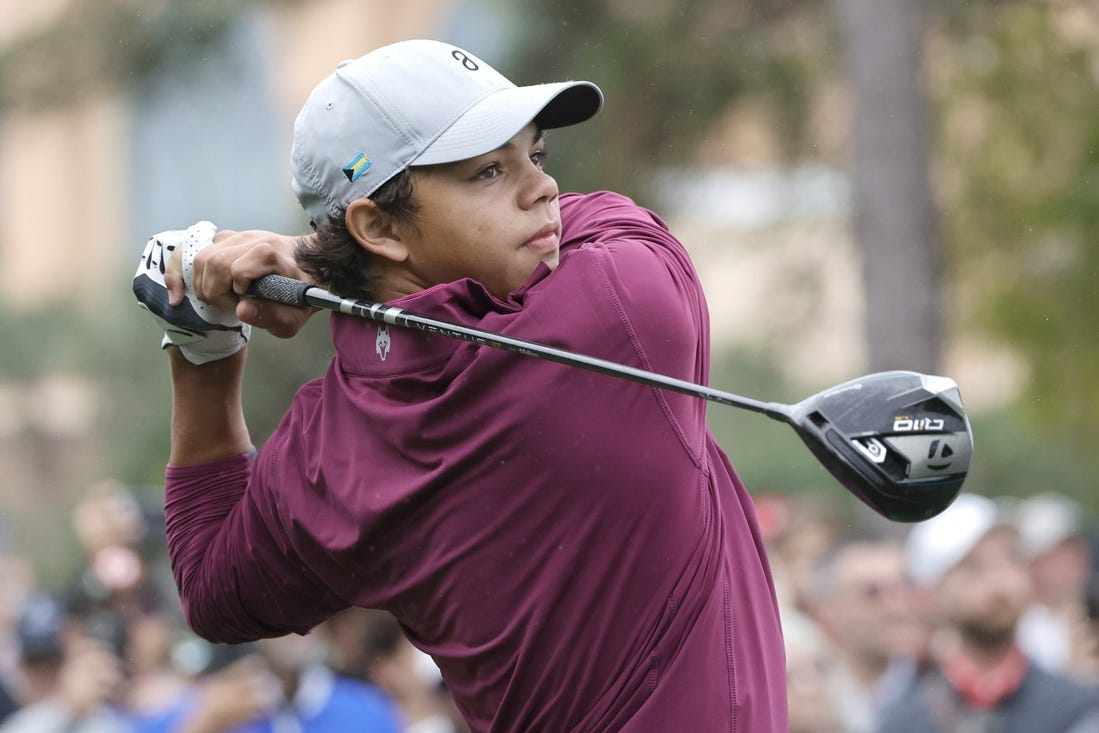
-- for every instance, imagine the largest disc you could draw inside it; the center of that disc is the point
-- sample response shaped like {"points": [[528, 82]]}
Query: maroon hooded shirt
{"points": [[573, 549]]}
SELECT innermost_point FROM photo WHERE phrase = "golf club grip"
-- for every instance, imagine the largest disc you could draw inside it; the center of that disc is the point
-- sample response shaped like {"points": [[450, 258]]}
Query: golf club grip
{"points": [[280, 289]]}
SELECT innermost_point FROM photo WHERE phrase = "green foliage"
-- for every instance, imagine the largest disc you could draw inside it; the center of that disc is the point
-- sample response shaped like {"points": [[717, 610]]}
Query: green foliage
{"points": [[1015, 457], [278, 367], [105, 45], [115, 346], [37, 340], [95, 45], [669, 72], [140, 390], [768, 455], [1020, 141]]}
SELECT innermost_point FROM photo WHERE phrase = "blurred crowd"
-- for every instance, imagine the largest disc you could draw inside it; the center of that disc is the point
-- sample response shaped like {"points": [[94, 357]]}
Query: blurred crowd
{"points": [[985, 618], [110, 652]]}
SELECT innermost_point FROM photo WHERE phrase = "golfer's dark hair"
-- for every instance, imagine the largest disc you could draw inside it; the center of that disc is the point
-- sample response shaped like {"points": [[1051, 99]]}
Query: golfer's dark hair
{"points": [[340, 264]]}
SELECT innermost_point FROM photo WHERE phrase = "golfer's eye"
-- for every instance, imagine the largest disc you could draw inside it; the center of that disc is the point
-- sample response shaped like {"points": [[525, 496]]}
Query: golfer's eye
{"points": [[488, 172], [538, 157]]}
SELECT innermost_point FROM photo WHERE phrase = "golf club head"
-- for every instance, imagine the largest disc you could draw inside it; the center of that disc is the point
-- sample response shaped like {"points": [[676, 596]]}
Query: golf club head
{"points": [[900, 441]]}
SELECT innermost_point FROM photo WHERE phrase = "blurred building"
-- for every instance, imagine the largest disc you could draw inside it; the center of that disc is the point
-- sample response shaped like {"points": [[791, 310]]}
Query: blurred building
{"points": [[87, 173], [82, 184]]}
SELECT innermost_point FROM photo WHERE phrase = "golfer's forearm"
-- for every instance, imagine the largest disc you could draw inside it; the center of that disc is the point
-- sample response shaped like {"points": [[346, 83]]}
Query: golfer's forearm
{"points": [[210, 552], [207, 416]]}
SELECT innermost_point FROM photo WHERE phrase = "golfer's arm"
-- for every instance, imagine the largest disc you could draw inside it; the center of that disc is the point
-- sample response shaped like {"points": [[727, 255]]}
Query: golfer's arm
{"points": [[207, 415]]}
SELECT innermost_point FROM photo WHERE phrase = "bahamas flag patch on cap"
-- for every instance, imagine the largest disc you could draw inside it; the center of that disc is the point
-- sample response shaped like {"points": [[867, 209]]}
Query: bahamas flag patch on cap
{"points": [[357, 167]]}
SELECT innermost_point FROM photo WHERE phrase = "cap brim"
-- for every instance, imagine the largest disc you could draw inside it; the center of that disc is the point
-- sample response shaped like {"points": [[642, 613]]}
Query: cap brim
{"points": [[500, 116]]}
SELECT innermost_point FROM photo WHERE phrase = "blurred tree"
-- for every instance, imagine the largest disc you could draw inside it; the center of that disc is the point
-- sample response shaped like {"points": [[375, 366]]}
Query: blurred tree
{"points": [[670, 71], [895, 218], [1018, 160], [134, 373], [1012, 131], [92, 46]]}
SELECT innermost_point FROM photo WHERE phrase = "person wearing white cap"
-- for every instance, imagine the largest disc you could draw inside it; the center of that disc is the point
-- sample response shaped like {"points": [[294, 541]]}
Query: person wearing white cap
{"points": [[861, 597], [575, 553], [1055, 630], [970, 561]]}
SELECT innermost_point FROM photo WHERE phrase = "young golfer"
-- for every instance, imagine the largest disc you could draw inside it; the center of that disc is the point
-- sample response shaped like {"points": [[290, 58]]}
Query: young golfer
{"points": [[573, 550]]}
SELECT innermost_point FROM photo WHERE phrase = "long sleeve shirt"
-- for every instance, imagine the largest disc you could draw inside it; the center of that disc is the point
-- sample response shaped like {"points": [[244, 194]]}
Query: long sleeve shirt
{"points": [[574, 550]]}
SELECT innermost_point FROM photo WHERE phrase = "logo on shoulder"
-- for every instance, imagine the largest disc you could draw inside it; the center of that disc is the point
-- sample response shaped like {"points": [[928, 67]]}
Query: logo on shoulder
{"points": [[357, 167]]}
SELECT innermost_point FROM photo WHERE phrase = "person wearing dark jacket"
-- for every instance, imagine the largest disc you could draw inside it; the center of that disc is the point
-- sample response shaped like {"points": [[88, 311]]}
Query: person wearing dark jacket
{"points": [[970, 561]]}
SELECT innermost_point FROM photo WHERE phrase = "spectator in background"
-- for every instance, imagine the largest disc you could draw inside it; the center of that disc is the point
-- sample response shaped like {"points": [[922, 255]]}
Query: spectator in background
{"points": [[810, 667], [16, 585], [112, 530], [156, 681], [283, 684], [313, 699], [410, 677], [861, 597], [1055, 631], [71, 682], [1089, 665], [350, 638], [117, 593], [970, 560], [234, 692], [797, 531]]}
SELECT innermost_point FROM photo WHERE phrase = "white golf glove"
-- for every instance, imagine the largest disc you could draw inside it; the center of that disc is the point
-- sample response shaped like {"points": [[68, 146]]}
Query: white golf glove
{"points": [[202, 332]]}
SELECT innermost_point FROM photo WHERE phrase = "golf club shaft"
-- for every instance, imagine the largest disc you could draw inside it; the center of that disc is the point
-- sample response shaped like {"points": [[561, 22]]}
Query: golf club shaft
{"points": [[299, 293]]}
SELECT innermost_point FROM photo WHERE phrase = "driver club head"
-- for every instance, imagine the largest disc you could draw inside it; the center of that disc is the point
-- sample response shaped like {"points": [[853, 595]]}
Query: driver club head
{"points": [[900, 441]]}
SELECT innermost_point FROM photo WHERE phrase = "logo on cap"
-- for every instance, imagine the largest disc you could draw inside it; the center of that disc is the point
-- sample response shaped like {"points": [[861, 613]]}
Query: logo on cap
{"points": [[465, 60], [357, 167]]}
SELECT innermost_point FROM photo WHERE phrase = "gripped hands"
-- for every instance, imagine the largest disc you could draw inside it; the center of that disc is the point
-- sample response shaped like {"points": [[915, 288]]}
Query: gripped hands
{"points": [[223, 271]]}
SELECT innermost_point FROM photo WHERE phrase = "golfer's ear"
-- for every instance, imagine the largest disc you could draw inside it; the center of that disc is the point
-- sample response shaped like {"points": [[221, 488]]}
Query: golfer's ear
{"points": [[375, 230]]}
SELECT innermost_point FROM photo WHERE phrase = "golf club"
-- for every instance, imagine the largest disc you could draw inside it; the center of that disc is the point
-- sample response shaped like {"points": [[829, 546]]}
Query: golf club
{"points": [[900, 441]]}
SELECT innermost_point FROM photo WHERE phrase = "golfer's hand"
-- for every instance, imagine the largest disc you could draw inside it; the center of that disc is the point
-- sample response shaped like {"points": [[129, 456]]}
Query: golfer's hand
{"points": [[223, 271]]}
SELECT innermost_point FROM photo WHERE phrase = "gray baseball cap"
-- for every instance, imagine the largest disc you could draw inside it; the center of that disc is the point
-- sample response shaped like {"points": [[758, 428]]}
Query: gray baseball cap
{"points": [[415, 102]]}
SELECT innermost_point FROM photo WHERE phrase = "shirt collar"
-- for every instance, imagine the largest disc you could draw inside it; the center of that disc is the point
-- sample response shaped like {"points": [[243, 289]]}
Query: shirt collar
{"points": [[369, 348]]}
